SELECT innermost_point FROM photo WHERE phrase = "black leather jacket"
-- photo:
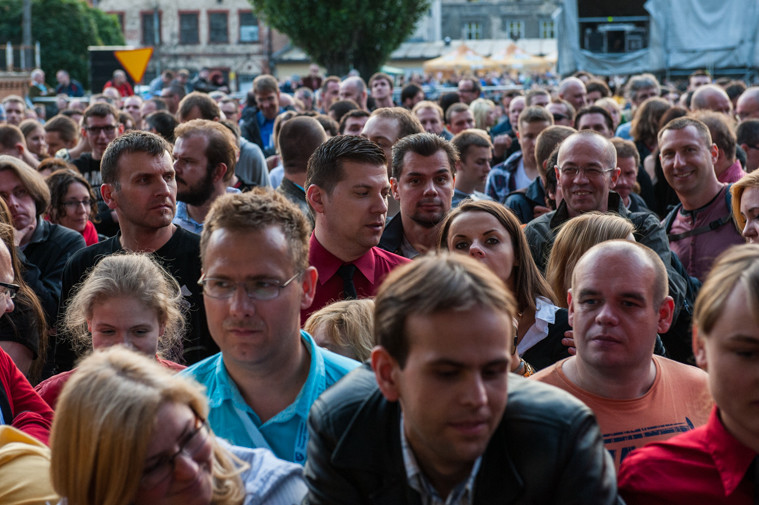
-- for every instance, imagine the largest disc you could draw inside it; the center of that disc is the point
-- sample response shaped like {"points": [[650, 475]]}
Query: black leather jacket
{"points": [[547, 449]]}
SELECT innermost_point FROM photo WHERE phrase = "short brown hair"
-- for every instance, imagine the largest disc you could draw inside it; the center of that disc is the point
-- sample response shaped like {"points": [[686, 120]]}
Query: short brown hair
{"points": [[32, 181], [547, 142], [208, 108], [431, 284], [423, 144], [265, 82], [325, 167], [222, 145], [134, 141], [408, 124], [534, 115], [722, 132], [463, 140], [681, 123], [10, 135], [626, 149], [99, 109], [256, 210], [66, 127]]}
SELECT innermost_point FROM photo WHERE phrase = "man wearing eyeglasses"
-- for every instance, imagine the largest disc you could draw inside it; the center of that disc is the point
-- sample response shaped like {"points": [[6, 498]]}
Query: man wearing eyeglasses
{"points": [[256, 280], [587, 170], [100, 125]]}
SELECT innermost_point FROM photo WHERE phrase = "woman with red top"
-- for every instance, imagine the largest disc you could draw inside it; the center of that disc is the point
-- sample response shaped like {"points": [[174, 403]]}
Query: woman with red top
{"points": [[126, 299], [717, 463], [73, 203]]}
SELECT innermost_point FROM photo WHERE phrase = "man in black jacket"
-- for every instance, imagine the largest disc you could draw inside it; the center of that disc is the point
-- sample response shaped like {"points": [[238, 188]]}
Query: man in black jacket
{"points": [[429, 422]]}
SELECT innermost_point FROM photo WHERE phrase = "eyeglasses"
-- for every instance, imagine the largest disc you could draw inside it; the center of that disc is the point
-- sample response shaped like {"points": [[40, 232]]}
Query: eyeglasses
{"points": [[9, 290], [74, 204], [97, 130], [256, 289], [164, 466], [589, 172], [466, 90], [559, 117]]}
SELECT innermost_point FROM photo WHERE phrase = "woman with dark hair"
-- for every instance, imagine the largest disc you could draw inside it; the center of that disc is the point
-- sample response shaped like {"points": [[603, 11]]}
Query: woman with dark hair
{"points": [[73, 203], [490, 233]]}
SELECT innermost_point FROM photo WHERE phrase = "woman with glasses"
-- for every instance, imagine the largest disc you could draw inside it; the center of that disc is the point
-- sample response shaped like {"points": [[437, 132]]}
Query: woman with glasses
{"points": [[126, 299], [72, 203], [128, 432], [490, 233]]}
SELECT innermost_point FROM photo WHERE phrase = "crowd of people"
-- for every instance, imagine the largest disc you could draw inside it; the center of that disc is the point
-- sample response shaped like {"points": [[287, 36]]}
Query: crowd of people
{"points": [[324, 296]]}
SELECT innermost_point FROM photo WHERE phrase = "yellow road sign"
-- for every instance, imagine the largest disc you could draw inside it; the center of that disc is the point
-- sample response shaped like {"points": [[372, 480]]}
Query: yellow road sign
{"points": [[135, 61]]}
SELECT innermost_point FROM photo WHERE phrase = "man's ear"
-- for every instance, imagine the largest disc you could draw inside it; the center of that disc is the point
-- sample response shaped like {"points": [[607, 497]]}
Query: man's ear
{"points": [[108, 191], [394, 189], [308, 286], [315, 197], [714, 151], [615, 177], [699, 350], [219, 172], [666, 311], [386, 370]]}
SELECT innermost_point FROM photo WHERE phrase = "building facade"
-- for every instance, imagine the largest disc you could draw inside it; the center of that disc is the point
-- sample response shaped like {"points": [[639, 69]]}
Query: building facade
{"points": [[498, 19], [192, 34]]}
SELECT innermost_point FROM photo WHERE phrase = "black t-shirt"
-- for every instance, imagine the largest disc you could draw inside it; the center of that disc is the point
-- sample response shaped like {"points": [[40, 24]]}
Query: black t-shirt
{"points": [[90, 170], [180, 256]]}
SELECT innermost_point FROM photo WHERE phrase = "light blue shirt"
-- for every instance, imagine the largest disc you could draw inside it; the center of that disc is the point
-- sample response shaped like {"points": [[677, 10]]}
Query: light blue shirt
{"points": [[183, 219], [286, 434], [268, 479]]}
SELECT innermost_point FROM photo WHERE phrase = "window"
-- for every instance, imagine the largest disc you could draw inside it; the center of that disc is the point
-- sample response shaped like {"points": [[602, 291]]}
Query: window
{"points": [[472, 31], [514, 29], [217, 27], [547, 30], [248, 27], [151, 28], [188, 28]]}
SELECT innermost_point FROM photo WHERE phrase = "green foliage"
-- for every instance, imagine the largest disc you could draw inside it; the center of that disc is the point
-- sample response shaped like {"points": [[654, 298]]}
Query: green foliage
{"points": [[344, 34], [64, 29]]}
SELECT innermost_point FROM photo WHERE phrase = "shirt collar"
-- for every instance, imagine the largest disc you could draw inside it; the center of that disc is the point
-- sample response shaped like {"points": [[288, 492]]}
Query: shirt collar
{"points": [[329, 263], [731, 458], [462, 494]]}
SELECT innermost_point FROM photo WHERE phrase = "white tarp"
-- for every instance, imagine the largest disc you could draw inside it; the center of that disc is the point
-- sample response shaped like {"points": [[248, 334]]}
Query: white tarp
{"points": [[682, 34]]}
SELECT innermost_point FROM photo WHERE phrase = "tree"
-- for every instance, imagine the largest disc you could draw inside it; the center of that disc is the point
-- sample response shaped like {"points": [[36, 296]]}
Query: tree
{"points": [[64, 29], [344, 34]]}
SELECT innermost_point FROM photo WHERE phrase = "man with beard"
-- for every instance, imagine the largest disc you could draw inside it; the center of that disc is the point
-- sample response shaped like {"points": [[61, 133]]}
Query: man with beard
{"points": [[422, 182], [139, 185], [204, 160]]}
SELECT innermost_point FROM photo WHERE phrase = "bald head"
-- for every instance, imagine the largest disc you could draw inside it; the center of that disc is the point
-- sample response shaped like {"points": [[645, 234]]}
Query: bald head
{"points": [[711, 97], [573, 91], [748, 104], [613, 252], [582, 140]]}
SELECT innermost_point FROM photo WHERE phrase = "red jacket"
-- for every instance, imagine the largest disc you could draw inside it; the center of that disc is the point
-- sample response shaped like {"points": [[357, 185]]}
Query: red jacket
{"points": [[21, 406]]}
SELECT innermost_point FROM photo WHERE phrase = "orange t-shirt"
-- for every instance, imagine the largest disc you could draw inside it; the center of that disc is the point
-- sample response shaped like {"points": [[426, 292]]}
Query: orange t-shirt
{"points": [[678, 401]]}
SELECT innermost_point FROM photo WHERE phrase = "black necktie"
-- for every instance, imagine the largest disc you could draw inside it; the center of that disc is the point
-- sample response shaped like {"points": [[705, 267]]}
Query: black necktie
{"points": [[346, 272]]}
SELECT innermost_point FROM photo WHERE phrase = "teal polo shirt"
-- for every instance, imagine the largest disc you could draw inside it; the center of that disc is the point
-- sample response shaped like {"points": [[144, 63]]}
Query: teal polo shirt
{"points": [[286, 434]]}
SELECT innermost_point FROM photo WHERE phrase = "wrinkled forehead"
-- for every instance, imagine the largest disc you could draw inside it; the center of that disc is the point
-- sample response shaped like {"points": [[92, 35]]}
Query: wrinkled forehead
{"points": [[588, 148]]}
